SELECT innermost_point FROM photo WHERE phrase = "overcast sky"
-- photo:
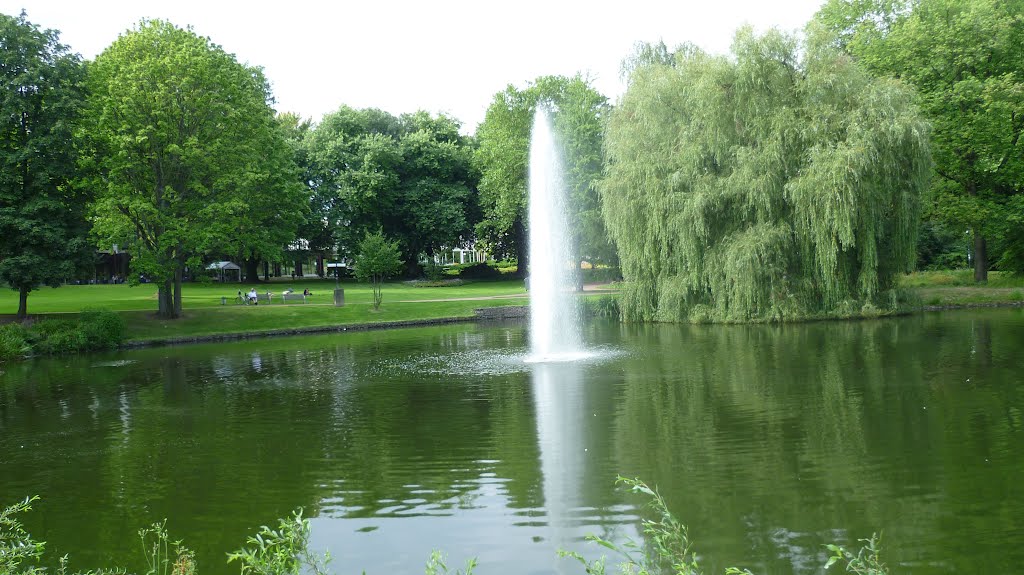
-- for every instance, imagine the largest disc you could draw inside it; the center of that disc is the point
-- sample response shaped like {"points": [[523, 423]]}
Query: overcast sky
{"points": [[438, 55]]}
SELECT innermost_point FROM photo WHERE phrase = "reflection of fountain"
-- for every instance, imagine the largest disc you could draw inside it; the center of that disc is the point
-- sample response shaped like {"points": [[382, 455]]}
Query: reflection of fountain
{"points": [[554, 317], [558, 401]]}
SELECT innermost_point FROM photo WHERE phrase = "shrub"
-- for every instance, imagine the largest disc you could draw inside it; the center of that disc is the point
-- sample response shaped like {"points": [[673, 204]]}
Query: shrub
{"points": [[101, 328], [602, 275], [479, 271], [606, 306], [94, 329], [56, 337], [13, 344]]}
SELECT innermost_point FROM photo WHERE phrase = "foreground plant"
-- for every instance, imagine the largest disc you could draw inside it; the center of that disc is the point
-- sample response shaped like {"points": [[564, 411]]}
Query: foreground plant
{"points": [[667, 547], [281, 551]]}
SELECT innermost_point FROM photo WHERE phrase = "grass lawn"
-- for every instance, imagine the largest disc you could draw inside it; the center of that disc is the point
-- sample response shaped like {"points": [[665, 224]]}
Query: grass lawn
{"points": [[957, 288], [204, 314]]}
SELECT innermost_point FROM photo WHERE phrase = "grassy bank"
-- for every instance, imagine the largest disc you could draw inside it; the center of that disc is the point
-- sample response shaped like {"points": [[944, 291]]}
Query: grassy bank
{"points": [[956, 288], [205, 314]]}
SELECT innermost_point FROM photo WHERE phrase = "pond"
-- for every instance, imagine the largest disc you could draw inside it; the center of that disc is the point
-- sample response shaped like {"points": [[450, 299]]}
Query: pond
{"points": [[767, 441]]}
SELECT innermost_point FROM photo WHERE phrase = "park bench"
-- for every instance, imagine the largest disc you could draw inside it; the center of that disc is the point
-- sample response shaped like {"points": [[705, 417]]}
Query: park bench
{"points": [[287, 297]]}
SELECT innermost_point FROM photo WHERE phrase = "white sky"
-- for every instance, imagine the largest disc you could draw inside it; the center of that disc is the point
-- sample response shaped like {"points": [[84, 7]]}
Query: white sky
{"points": [[404, 55]]}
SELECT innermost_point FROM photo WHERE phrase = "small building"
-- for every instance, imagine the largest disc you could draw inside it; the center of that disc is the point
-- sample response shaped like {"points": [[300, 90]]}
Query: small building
{"points": [[225, 271]]}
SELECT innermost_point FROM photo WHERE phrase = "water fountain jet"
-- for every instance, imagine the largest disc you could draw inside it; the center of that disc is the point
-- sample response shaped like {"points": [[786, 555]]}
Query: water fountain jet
{"points": [[554, 310]]}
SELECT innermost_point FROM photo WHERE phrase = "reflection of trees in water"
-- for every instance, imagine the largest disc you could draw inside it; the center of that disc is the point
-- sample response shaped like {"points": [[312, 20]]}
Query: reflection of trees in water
{"points": [[225, 438], [773, 440]]}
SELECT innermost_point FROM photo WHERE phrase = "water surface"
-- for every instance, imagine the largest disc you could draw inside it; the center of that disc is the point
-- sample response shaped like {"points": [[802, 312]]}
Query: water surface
{"points": [[768, 441]]}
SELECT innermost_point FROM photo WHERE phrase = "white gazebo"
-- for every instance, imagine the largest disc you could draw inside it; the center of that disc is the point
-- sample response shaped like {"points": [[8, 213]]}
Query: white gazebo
{"points": [[223, 271]]}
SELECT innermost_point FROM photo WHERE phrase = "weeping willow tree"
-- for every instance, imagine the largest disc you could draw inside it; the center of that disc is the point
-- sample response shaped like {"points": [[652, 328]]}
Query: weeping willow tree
{"points": [[781, 182]]}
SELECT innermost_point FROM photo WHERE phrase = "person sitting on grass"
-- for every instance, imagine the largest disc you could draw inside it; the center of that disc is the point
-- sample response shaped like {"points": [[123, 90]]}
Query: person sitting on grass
{"points": [[307, 292]]}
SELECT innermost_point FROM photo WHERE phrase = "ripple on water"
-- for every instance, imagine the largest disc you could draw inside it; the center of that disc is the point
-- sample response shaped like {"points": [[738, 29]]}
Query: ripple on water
{"points": [[494, 363]]}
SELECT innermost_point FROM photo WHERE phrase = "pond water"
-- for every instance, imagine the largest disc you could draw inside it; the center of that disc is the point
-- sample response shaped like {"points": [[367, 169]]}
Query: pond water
{"points": [[767, 441]]}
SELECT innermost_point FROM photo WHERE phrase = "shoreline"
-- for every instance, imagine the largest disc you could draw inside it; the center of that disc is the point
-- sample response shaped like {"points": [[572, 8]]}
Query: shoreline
{"points": [[499, 313]]}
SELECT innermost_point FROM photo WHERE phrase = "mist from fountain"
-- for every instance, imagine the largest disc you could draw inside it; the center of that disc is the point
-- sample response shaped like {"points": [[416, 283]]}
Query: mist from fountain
{"points": [[554, 311]]}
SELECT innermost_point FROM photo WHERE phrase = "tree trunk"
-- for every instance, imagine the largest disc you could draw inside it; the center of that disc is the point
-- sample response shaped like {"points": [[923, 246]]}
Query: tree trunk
{"points": [[22, 303], [298, 268], [252, 270], [266, 271], [522, 249], [165, 300], [177, 293], [980, 258]]}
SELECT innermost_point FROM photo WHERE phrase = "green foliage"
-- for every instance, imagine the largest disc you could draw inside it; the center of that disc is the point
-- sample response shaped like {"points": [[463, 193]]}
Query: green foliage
{"points": [[56, 337], [281, 551], [964, 60], [377, 260], [864, 562], [772, 185], [601, 274], [43, 229], [479, 271], [410, 176], [13, 342], [163, 556], [17, 548], [101, 328], [605, 306], [579, 112], [667, 547], [92, 330], [185, 155], [436, 565]]}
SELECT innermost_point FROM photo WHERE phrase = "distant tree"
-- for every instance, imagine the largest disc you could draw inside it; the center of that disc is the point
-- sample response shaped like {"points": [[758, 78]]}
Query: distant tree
{"points": [[504, 141], [411, 176], [275, 205], [43, 230], [377, 260], [965, 58], [781, 181], [185, 155]]}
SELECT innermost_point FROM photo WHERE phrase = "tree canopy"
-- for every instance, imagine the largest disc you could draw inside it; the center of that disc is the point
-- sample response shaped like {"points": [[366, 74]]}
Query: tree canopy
{"points": [[782, 181], [186, 157], [965, 58], [579, 112], [411, 176], [43, 230]]}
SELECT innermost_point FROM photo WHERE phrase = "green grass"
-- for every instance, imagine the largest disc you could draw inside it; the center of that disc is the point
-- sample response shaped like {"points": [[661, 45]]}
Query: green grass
{"points": [[956, 288], [203, 313], [122, 297]]}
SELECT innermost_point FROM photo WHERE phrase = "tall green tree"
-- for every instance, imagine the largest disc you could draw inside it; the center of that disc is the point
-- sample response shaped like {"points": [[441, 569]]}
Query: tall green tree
{"points": [[965, 58], [504, 142], [781, 181], [185, 155], [274, 203], [43, 230], [411, 176]]}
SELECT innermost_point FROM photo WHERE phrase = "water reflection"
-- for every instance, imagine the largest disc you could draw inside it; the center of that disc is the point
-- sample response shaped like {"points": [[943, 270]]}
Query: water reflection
{"points": [[767, 441]]}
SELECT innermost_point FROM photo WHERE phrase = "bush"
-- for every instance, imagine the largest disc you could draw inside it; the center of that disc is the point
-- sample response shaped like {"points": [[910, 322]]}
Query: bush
{"points": [[479, 271], [13, 343], [602, 275], [56, 337], [606, 306], [101, 328], [95, 329]]}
